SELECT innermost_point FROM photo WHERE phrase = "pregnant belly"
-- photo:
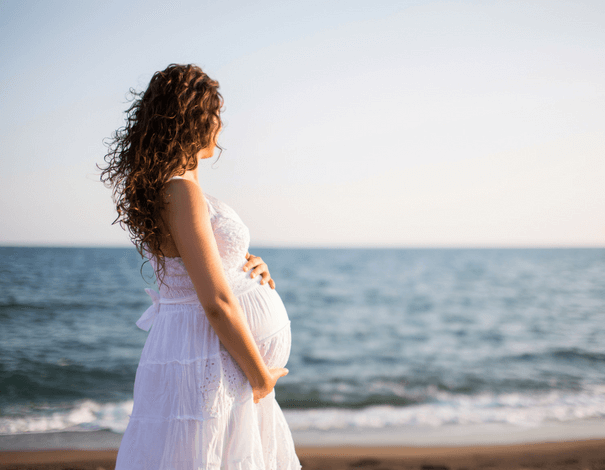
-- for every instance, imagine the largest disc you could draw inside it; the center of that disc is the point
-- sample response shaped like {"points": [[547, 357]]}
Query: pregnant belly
{"points": [[269, 323]]}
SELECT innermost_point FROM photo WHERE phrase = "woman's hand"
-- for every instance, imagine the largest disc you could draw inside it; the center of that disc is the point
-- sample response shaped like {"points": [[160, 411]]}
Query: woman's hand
{"points": [[258, 266], [261, 391]]}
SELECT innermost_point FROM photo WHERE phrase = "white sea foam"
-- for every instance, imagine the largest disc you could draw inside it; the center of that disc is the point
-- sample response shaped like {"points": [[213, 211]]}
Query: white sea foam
{"points": [[515, 409], [85, 416]]}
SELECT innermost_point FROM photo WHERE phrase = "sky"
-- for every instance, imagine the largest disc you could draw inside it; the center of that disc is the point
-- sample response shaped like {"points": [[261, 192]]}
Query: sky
{"points": [[346, 123]]}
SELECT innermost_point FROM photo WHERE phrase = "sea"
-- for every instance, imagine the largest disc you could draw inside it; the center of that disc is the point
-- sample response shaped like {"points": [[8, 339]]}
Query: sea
{"points": [[388, 345]]}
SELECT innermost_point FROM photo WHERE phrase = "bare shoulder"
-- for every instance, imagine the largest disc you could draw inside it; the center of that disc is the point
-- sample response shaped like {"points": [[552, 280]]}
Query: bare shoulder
{"points": [[182, 194], [183, 188]]}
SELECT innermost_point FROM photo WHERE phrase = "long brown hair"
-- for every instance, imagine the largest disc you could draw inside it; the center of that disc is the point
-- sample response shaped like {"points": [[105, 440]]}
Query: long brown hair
{"points": [[166, 126]]}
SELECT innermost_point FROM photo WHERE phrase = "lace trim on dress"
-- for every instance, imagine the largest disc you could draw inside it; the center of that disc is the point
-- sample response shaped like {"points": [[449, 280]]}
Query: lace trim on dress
{"points": [[221, 386], [176, 361]]}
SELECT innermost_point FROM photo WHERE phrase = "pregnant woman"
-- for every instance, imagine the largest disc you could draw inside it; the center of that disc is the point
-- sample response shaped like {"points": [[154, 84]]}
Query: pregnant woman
{"points": [[220, 335]]}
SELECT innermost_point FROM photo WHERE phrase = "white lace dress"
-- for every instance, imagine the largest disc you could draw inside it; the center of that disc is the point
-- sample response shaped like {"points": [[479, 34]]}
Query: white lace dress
{"points": [[193, 406]]}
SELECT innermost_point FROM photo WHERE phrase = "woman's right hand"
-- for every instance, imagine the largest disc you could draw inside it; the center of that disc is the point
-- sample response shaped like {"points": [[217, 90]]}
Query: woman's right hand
{"points": [[261, 391]]}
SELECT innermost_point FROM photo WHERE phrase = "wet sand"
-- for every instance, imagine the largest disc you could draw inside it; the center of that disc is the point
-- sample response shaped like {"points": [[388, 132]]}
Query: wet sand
{"points": [[576, 455]]}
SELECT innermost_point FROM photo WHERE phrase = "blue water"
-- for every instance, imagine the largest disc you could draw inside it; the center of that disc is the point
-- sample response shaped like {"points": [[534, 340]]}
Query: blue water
{"points": [[380, 337]]}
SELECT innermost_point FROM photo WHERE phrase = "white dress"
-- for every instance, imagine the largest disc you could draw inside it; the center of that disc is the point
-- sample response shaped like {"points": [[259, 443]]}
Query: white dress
{"points": [[193, 406]]}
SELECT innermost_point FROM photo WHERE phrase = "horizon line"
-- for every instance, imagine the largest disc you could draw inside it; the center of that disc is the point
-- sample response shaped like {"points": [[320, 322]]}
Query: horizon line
{"points": [[334, 247]]}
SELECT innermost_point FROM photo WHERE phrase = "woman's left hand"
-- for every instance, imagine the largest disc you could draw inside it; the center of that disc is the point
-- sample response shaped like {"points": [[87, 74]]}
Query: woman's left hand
{"points": [[258, 266]]}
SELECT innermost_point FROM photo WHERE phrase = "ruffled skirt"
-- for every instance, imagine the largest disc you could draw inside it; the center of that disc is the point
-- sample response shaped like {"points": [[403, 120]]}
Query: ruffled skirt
{"points": [[193, 406]]}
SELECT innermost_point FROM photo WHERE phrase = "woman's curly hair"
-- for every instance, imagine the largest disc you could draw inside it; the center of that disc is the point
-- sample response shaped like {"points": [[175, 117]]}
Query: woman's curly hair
{"points": [[166, 126]]}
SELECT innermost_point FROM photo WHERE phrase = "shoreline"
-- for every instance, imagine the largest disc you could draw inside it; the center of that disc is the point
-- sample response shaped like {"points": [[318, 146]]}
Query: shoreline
{"points": [[566, 455], [417, 436], [453, 435]]}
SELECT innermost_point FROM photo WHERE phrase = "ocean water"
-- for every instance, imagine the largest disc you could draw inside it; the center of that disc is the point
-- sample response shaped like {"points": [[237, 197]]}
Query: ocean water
{"points": [[381, 338]]}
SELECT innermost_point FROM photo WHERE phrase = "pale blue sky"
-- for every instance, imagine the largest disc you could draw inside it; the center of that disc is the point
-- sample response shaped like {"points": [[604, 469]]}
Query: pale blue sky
{"points": [[374, 123]]}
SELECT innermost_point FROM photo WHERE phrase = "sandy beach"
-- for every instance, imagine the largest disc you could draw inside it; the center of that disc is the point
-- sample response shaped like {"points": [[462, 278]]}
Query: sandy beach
{"points": [[576, 455]]}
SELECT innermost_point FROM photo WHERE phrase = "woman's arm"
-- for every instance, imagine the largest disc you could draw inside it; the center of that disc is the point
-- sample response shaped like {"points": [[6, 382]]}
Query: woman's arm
{"points": [[186, 216]]}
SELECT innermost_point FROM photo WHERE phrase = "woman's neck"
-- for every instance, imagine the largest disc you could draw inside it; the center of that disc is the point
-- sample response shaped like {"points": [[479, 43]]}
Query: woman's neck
{"points": [[191, 175]]}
